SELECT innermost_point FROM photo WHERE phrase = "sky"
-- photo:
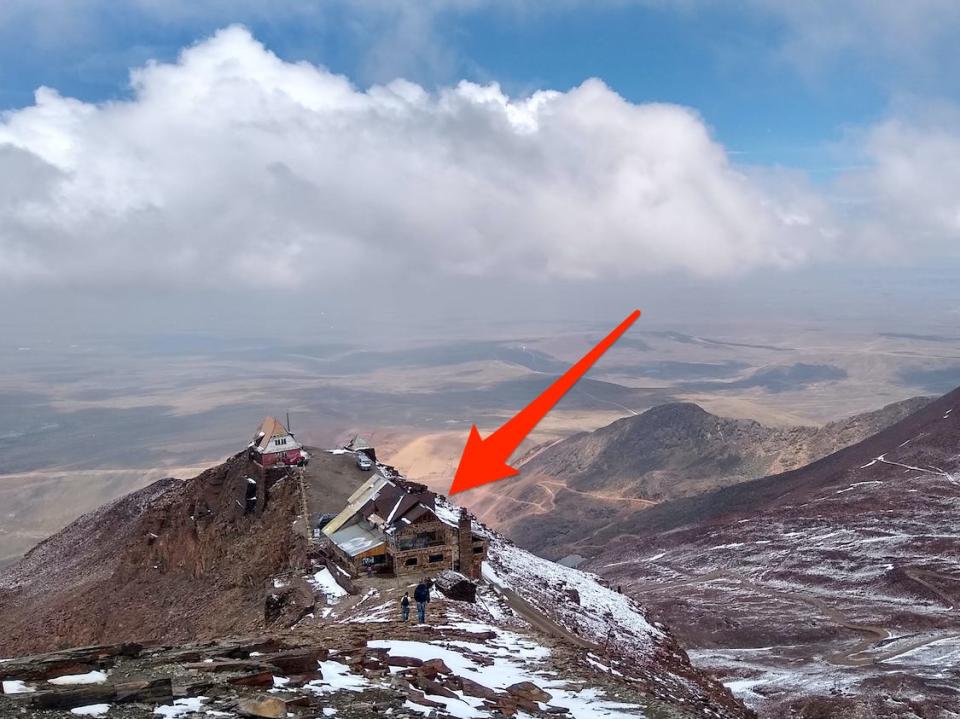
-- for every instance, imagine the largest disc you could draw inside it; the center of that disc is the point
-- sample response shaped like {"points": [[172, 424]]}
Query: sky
{"points": [[473, 148]]}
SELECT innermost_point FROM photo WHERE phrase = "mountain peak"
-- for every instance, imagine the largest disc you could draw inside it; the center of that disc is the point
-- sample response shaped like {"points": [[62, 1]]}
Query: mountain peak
{"points": [[569, 490]]}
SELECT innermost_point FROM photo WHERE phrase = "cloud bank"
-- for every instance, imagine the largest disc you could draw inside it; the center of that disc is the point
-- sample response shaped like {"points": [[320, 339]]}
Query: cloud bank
{"points": [[232, 163]]}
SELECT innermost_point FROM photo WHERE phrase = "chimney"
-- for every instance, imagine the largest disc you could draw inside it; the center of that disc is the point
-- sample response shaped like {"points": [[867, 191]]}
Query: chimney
{"points": [[464, 527]]}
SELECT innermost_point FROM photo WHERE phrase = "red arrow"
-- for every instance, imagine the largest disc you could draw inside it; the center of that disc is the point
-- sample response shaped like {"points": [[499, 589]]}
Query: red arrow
{"points": [[485, 460]]}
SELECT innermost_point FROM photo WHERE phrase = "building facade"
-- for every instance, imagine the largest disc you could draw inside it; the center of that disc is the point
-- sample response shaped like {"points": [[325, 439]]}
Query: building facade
{"points": [[395, 527], [275, 446]]}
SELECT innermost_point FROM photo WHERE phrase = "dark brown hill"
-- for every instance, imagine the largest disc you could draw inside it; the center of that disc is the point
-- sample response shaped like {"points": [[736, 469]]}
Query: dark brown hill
{"points": [[928, 437], [174, 561], [609, 477]]}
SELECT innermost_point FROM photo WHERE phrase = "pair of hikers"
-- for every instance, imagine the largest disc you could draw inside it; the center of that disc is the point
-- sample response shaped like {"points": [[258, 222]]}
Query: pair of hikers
{"points": [[421, 595]]}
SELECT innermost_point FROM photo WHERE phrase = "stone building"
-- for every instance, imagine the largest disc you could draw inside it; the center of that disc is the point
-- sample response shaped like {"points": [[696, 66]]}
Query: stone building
{"points": [[391, 526]]}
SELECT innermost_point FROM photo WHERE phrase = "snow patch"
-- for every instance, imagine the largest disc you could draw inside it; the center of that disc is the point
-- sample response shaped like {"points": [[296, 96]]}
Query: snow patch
{"points": [[337, 677], [15, 686], [91, 710], [180, 707], [324, 582], [94, 677]]}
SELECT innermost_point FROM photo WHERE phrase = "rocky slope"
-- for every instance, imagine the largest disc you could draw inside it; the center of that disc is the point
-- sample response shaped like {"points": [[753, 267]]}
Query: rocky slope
{"points": [[829, 590], [177, 560], [223, 556], [569, 490]]}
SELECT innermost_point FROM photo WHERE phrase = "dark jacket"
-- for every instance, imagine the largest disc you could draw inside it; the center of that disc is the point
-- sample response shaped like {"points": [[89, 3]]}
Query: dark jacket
{"points": [[422, 593], [405, 602]]}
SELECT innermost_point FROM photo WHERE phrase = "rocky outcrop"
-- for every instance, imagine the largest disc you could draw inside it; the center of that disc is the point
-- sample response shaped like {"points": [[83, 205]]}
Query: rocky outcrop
{"points": [[178, 560], [456, 586]]}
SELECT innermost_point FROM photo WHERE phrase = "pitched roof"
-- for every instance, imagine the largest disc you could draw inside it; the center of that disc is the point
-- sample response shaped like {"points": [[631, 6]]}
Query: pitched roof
{"points": [[386, 502], [270, 428], [358, 443], [357, 538], [356, 501], [396, 502]]}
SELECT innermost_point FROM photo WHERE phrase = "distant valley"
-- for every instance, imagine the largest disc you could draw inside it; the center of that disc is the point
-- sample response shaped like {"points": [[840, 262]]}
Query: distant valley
{"points": [[141, 408], [605, 479]]}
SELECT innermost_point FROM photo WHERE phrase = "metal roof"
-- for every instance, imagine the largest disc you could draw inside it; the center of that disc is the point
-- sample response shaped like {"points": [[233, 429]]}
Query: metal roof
{"points": [[358, 443], [356, 501], [357, 538]]}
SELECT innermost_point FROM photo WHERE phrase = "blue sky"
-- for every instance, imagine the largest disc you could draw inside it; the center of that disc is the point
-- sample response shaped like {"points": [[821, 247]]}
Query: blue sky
{"points": [[721, 140], [728, 61]]}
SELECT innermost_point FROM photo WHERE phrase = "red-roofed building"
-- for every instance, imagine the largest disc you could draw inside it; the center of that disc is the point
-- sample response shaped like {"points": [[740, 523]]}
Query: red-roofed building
{"points": [[275, 446]]}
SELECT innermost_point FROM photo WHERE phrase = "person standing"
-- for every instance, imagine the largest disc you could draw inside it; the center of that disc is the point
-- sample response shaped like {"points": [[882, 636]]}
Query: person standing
{"points": [[405, 607], [422, 596]]}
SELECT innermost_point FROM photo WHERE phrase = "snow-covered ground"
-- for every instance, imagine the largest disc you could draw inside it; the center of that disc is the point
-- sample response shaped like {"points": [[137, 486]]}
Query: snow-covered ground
{"points": [[325, 584], [180, 708], [514, 659], [573, 597], [850, 585]]}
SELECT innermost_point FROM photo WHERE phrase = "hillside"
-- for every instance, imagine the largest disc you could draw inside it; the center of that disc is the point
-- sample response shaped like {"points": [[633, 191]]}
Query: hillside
{"points": [[197, 592], [571, 489], [823, 591]]}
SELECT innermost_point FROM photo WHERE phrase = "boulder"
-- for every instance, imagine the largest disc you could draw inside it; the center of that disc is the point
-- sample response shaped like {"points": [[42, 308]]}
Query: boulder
{"points": [[529, 691], [287, 605], [262, 678], [438, 665], [68, 661], [139, 691], [504, 705], [420, 698], [473, 689], [297, 661], [264, 708], [456, 586], [429, 686]]}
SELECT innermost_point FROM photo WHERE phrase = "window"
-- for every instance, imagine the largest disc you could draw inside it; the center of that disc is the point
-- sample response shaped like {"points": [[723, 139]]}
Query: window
{"points": [[411, 562], [478, 550], [434, 558]]}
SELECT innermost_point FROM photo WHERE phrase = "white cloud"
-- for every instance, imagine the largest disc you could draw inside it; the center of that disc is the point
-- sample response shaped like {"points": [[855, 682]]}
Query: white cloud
{"points": [[907, 199], [911, 39], [236, 165]]}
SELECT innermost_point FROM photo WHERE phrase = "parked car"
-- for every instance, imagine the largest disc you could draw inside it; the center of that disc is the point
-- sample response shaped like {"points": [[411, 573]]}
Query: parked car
{"points": [[363, 462]]}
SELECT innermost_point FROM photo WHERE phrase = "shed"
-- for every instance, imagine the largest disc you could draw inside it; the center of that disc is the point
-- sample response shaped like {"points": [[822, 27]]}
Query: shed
{"points": [[359, 444]]}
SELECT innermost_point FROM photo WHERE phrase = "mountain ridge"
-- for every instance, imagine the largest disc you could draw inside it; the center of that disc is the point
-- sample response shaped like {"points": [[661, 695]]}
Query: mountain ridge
{"points": [[576, 486], [827, 590]]}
